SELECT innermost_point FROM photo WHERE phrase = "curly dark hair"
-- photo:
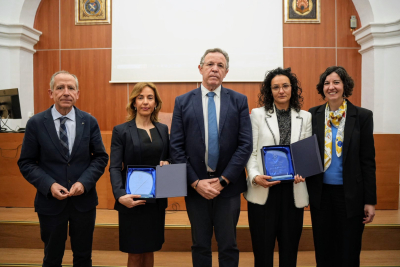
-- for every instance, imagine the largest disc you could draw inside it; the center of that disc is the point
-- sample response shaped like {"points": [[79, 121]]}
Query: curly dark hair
{"points": [[265, 97], [348, 83]]}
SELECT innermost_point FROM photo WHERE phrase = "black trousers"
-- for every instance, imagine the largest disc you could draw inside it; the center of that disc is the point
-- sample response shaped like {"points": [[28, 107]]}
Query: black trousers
{"points": [[220, 214], [278, 219], [337, 239], [53, 231]]}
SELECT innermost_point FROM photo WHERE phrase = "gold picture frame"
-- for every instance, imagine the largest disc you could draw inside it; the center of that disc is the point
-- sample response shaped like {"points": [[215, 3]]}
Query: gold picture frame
{"points": [[91, 12], [302, 11]]}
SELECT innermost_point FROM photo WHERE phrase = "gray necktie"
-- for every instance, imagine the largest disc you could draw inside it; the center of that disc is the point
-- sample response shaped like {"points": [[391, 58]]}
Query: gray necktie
{"points": [[64, 136]]}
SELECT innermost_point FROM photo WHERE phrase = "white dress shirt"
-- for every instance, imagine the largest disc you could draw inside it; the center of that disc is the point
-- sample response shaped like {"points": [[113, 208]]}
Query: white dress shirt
{"points": [[70, 124], [217, 101]]}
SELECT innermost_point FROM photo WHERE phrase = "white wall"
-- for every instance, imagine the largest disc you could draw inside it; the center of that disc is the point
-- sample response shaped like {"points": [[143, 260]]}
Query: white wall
{"points": [[17, 38], [379, 40], [380, 49]]}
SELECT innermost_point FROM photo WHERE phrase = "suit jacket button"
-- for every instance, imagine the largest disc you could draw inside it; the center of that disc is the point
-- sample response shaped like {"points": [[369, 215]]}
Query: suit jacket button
{"points": [[68, 165], [69, 181]]}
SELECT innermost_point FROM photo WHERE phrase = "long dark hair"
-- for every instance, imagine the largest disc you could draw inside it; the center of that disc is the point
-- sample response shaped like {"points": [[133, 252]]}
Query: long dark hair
{"points": [[265, 97]]}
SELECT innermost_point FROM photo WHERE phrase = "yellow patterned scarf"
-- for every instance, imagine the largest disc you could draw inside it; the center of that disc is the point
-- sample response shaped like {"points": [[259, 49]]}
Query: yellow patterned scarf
{"points": [[337, 119]]}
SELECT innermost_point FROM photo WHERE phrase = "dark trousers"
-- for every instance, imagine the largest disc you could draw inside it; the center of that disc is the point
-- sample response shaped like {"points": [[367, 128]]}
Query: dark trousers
{"points": [[53, 230], [337, 239], [278, 219], [220, 214]]}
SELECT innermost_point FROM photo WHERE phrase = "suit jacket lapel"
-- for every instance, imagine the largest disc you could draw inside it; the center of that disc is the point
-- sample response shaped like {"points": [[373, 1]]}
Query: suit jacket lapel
{"points": [[296, 127], [51, 130], [224, 107], [321, 130], [273, 127], [136, 141], [198, 110], [348, 127], [80, 123]]}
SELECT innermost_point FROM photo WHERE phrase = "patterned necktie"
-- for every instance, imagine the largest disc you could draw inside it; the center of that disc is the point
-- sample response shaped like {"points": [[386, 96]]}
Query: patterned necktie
{"points": [[213, 143], [64, 136]]}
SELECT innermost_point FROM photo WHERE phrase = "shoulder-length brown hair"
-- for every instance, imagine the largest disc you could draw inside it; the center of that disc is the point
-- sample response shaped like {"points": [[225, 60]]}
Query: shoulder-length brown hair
{"points": [[137, 89]]}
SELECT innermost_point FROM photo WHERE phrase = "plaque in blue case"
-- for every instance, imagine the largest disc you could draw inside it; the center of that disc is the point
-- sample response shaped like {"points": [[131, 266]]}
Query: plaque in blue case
{"points": [[278, 162], [141, 181]]}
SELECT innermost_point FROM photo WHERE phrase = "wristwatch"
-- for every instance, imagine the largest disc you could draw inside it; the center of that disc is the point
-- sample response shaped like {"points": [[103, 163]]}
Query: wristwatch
{"points": [[222, 181]]}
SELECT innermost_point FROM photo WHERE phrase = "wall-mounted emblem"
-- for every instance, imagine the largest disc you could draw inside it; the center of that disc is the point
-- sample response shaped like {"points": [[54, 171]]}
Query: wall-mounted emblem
{"points": [[89, 12], [302, 11]]}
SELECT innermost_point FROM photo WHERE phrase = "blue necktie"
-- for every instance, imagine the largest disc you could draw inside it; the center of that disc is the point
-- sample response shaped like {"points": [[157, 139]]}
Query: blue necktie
{"points": [[213, 143], [64, 136]]}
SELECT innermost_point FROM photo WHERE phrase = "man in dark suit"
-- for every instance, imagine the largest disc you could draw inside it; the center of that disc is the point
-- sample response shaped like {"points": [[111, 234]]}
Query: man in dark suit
{"points": [[63, 156], [211, 132]]}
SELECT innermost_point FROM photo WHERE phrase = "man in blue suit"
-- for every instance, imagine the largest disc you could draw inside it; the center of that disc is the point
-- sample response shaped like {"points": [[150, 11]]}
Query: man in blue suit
{"points": [[63, 156], [211, 132]]}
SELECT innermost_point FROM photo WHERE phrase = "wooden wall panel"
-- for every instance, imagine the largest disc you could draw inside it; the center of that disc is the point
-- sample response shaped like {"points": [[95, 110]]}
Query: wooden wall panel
{"points": [[45, 64], [304, 64], [169, 91], [103, 100], [106, 135], [312, 34], [47, 21], [307, 63], [81, 36], [15, 191], [350, 59], [103, 186], [387, 148], [345, 9], [251, 90]]}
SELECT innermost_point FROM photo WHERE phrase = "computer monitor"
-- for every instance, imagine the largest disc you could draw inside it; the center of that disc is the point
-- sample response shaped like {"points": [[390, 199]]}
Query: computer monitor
{"points": [[9, 104]]}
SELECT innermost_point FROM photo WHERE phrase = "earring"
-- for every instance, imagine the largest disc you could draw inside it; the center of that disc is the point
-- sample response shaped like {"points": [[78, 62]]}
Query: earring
{"points": [[135, 108], [155, 107]]}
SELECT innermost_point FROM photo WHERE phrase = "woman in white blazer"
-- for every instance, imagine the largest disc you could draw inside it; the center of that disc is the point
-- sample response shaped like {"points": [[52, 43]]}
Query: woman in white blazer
{"points": [[275, 209]]}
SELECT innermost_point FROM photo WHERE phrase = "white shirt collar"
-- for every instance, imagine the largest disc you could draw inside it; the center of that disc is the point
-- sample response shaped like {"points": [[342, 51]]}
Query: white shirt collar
{"points": [[205, 91], [56, 115]]}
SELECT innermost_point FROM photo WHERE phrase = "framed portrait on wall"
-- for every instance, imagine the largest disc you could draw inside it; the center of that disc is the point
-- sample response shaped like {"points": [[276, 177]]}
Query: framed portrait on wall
{"points": [[90, 12], [302, 11]]}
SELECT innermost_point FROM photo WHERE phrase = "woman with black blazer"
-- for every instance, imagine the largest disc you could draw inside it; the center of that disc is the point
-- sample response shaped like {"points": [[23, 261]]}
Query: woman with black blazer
{"points": [[276, 209], [139, 141], [343, 198]]}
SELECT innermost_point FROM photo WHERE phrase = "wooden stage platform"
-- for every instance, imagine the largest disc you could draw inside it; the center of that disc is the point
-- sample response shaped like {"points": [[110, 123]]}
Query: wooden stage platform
{"points": [[20, 235]]}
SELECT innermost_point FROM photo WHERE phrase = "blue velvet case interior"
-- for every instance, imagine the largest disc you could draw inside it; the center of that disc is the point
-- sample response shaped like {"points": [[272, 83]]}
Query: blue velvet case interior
{"points": [[138, 181], [277, 162]]}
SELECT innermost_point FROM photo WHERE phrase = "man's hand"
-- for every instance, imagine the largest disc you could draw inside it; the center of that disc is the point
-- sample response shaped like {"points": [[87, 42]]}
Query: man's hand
{"points": [[59, 192], [162, 163], [217, 185], [205, 189], [127, 201], [76, 189], [263, 181], [369, 213]]}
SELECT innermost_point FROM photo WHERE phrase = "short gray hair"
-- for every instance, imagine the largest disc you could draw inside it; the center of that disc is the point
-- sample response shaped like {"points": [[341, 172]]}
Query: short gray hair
{"points": [[215, 50], [65, 72]]}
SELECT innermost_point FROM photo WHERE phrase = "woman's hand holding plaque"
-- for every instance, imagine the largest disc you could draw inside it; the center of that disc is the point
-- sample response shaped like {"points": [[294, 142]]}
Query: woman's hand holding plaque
{"points": [[127, 201], [299, 179], [262, 180]]}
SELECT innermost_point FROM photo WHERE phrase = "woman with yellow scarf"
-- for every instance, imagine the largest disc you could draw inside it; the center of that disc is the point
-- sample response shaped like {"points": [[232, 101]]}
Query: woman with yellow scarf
{"points": [[343, 198]]}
